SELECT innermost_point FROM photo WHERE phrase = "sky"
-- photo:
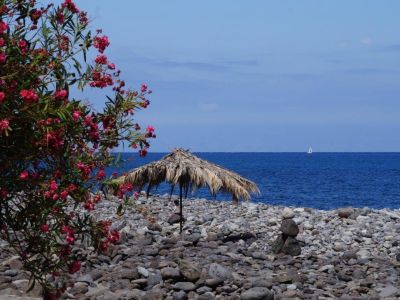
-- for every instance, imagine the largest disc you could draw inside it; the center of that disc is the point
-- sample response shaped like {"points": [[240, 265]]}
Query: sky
{"points": [[265, 76]]}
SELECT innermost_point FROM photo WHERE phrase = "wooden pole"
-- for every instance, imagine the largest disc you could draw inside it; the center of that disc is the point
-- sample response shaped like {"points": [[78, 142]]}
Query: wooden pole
{"points": [[180, 206]]}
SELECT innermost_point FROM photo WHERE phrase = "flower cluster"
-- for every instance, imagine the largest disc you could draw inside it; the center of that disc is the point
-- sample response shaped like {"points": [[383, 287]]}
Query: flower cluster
{"points": [[54, 149]]}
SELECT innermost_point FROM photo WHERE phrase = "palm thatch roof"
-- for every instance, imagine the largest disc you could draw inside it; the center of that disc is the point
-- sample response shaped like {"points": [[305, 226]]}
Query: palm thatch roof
{"points": [[189, 172]]}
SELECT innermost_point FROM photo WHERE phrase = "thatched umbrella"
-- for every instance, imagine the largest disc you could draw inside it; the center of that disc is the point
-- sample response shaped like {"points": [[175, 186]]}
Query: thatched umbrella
{"points": [[182, 168]]}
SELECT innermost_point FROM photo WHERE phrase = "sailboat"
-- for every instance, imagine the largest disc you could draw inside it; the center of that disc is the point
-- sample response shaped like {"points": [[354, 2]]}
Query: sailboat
{"points": [[309, 150]]}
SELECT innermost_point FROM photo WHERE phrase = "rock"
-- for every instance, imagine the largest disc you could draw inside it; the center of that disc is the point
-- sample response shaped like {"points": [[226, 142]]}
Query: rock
{"points": [[13, 262], [203, 289], [154, 279], [153, 295], [345, 212], [97, 274], [214, 282], [23, 284], [257, 293], [389, 291], [170, 273], [240, 236], [363, 253], [79, 288], [344, 277], [154, 227], [291, 247], [277, 245], [174, 219], [150, 251], [130, 274], [11, 273], [134, 294], [287, 213], [193, 238], [217, 271], [350, 254], [142, 271], [189, 270], [184, 286], [289, 227], [181, 295], [206, 296]]}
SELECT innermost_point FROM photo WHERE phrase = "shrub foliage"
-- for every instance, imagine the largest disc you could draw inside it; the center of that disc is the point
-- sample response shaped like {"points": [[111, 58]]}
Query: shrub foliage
{"points": [[54, 148]]}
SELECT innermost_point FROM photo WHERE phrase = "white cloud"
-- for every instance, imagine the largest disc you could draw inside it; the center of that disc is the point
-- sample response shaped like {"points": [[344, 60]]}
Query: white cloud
{"points": [[367, 41]]}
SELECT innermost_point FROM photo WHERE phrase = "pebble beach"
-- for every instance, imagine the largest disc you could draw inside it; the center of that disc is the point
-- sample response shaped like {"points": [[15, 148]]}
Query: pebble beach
{"points": [[232, 252]]}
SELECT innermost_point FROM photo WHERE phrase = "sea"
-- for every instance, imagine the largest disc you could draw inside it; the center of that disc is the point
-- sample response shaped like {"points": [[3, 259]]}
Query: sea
{"points": [[318, 180]]}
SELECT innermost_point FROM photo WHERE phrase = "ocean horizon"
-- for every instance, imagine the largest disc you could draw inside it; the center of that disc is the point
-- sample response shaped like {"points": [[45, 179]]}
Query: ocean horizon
{"points": [[322, 180]]}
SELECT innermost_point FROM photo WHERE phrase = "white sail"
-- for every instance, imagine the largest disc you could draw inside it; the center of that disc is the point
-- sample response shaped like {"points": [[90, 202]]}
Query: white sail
{"points": [[309, 150]]}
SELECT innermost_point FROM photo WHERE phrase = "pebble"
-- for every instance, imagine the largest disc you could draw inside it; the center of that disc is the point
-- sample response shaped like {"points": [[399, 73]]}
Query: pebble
{"points": [[225, 252], [287, 213]]}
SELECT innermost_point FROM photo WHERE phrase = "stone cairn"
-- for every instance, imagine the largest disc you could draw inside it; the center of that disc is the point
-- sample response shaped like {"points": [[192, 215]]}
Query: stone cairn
{"points": [[286, 242]]}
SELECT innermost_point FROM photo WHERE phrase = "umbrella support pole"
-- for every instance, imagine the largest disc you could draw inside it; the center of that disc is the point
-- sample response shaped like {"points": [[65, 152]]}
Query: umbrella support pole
{"points": [[180, 207]]}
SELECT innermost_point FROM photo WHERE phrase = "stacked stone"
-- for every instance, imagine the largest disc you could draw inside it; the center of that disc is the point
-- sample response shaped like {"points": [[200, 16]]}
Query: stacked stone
{"points": [[286, 242]]}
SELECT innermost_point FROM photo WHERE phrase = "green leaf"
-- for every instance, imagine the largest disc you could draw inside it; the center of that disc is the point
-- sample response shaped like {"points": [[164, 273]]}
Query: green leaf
{"points": [[31, 285]]}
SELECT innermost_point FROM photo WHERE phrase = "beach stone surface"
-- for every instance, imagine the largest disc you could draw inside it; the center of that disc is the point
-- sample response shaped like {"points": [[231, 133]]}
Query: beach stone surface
{"points": [[226, 252]]}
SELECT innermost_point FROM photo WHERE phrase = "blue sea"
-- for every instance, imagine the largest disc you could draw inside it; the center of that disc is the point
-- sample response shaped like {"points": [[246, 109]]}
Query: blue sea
{"points": [[318, 180]]}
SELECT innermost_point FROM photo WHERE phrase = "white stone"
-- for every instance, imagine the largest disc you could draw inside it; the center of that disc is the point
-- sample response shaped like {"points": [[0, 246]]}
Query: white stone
{"points": [[287, 213], [363, 253], [143, 271]]}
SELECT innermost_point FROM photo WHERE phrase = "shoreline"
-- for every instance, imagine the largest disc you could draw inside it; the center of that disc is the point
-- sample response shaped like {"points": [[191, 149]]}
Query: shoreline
{"points": [[352, 256]]}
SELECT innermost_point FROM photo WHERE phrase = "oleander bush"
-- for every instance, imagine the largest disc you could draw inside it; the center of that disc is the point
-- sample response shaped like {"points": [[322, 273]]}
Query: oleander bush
{"points": [[54, 148]]}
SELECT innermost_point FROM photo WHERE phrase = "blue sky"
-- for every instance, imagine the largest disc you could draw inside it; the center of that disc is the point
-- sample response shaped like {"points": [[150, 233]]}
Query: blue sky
{"points": [[261, 75]]}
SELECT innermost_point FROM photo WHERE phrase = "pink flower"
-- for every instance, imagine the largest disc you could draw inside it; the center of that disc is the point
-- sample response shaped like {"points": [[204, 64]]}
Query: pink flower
{"points": [[3, 57], [70, 239], [22, 44], [45, 228], [150, 129], [104, 245], [4, 124], [64, 195], [3, 193], [2, 97], [66, 229], [101, 174], [29, 96], [3, 27], [89, 205], [111, 66], [60, 17], [143, 88], [114, 237], [60, 95], [70, 6], [76, 115], [24, 175], [2, 42], [53, 186], [101, 43], [136, 195], [74, 267], [143, 152], [101, 59]]}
